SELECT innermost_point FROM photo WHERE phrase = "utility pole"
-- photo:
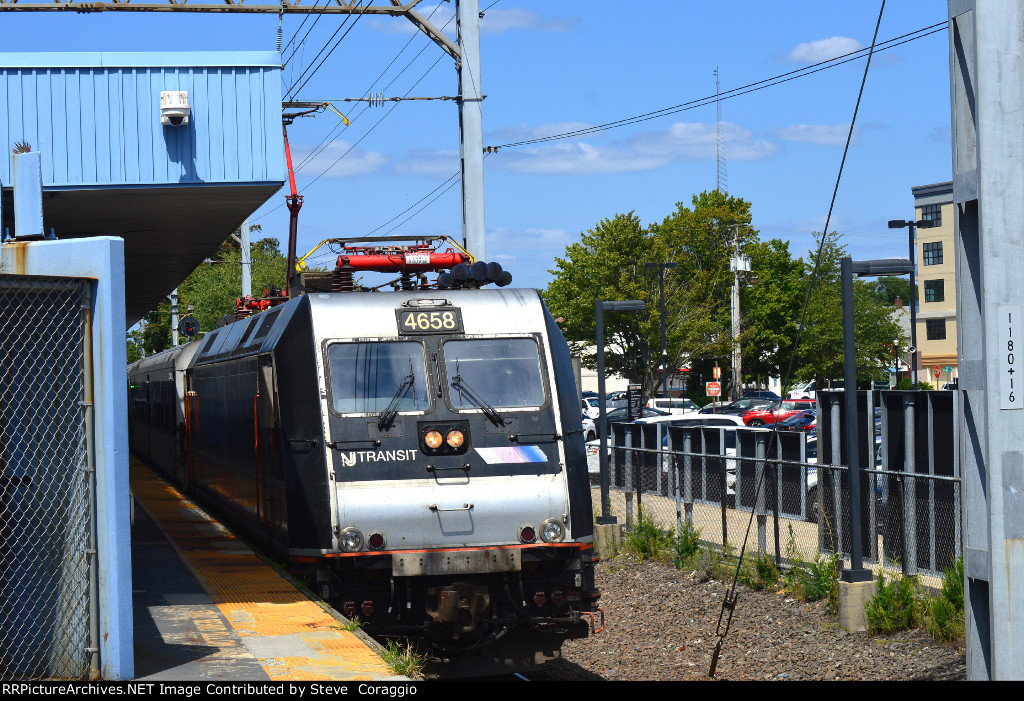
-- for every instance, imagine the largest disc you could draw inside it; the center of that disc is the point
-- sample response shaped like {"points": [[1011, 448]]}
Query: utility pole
{"points": [[246, 260], [664, 354], [467, 24], [738, 264]]}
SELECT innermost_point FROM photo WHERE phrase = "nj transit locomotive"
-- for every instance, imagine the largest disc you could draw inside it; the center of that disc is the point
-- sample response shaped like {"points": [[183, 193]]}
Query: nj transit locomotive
{"points": [[417, 453]]}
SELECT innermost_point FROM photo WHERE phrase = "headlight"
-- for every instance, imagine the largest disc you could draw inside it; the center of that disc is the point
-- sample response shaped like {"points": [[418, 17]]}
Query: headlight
{"points": [[351, 540], [455, 438], [433, 439], [552, 531]]}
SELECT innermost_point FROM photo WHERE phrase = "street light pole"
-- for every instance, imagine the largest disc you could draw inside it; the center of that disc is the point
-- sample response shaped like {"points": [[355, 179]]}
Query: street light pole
{"points": [[664, 354], [911, 226], [629, 305]]}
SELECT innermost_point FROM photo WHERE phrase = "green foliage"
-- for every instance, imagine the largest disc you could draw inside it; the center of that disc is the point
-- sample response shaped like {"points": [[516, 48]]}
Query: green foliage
{"points": [[759, 573], [687, 544], [403, 659], [821, 345], [812, 580], [353, 624], [648, 541], [907, 383], [887, 289], [895, 606], [944, 614], [212, 289], [608, 263]]}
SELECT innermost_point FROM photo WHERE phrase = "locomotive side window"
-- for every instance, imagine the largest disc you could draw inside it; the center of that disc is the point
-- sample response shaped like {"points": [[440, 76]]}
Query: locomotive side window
{"points": [[368, 377], [503, 372]]}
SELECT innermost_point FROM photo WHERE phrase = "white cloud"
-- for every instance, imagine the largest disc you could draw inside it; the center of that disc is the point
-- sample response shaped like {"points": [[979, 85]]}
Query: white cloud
{"points": [[823, 50], [576, 158], [433, 163], [646, 151], [688, 141], [502, 20], [820, 134], [523, 132], [352, 162]]}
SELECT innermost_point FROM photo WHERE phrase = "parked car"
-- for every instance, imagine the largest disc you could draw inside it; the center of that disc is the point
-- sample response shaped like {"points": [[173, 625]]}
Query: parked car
{"points": [[806, 420], [592, 405], [761, 394], [674, 405], [589, 428], [621, 414], [738, 407], [812, 477], [777, 411]]}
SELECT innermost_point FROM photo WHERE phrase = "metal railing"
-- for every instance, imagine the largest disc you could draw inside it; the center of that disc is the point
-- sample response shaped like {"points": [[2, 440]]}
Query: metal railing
{"points": [[47, 537], [736, 485]]}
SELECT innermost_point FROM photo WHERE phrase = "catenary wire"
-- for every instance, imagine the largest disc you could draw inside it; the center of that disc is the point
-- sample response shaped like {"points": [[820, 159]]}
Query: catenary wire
{"points": [[730, 595], [293, 89]]}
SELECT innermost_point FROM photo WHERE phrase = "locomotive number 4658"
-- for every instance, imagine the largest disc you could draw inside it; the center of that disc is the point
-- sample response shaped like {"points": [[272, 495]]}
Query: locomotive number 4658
{"points": [[433, 321]]}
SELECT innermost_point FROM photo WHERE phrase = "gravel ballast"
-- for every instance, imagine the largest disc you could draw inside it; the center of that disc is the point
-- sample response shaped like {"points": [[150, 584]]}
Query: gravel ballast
{"points": [[661, 626]]}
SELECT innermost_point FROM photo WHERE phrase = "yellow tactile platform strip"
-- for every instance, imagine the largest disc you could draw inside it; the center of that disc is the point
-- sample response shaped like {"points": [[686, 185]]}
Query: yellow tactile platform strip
{"points": [[300, 639]]}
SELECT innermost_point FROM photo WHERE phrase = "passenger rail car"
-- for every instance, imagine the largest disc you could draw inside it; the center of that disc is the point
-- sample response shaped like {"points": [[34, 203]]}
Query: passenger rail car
{"points": [[419, 454]]}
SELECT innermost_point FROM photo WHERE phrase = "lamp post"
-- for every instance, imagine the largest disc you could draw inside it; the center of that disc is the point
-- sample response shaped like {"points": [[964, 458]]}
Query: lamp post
{"points": [[661, 289], [865, 268], [629, 305], [896, 351], [911, 226]]}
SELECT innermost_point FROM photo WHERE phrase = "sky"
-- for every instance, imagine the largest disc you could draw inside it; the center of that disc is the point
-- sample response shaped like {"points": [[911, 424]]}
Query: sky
{"points": [[548, 68]]}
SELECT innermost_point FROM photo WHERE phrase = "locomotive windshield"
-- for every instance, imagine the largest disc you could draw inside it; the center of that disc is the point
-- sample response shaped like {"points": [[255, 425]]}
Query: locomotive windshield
{"points": [[369, 377], [503, 372]]}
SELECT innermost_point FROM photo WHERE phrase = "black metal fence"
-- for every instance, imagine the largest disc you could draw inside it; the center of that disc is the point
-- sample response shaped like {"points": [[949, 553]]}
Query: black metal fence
{"points": [[771, 490]]}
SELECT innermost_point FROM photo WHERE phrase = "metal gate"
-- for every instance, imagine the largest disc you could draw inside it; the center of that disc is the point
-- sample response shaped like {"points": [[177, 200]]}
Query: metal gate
{"points": [[47, 532]]}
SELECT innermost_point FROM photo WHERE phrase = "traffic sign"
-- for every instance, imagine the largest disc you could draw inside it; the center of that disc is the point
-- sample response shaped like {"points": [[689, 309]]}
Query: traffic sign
{"points": [[713, 389], [948, 368], [936, 370]]}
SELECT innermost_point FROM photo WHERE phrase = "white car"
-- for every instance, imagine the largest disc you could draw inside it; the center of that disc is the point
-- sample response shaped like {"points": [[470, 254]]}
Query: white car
{"points": [[674, 405], [589, 428], [591, 406]]}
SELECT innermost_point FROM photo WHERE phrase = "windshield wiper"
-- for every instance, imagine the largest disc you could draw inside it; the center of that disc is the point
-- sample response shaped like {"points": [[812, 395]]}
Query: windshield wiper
{"points": [[489, 411], [387, 417]]}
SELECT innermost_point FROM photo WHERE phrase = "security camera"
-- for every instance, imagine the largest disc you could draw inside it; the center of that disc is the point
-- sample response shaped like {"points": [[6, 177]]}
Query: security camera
{"points": [[174, 107]]}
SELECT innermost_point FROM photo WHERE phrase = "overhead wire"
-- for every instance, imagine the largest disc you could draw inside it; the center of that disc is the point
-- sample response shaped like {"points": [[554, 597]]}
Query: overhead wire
{"points": [[736, 92], [293, 89], [729, 601]]}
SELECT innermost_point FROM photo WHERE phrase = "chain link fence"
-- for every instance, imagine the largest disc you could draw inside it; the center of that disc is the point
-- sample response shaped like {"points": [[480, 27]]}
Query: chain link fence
{"points": [[46, 481], [737, 486]]}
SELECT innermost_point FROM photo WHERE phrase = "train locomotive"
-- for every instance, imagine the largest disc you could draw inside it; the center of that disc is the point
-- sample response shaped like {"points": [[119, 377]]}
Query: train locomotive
{"points": [[416, 454]]}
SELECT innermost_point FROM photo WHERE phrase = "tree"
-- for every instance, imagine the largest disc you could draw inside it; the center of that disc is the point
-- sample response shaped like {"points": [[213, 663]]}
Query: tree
{"points": [[821, 344], [771, 307], [212, 289], [608, 264], [887, 289]]}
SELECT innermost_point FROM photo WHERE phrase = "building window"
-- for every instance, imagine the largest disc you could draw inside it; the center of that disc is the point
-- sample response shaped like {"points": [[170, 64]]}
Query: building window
{"points": [[934, 290], [933, 253], [932, 213], [936, 329]]}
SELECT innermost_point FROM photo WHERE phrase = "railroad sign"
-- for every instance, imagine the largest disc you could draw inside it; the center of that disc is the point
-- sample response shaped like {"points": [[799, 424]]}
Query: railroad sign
{"points": [[713, 389], [936, 370]]}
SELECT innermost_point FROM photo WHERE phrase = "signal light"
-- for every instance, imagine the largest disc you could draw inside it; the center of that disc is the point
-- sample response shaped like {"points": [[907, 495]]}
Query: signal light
{"points": [[376, 541], [527, 534], [539, 599]]}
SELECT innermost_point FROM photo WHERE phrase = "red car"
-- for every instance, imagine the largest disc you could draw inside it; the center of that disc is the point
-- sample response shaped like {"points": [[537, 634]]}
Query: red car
{"points": [[773, 413]]}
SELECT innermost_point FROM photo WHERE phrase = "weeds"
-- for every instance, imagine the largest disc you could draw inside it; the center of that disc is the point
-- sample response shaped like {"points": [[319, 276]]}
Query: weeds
{"points": [[896, 606], [353, 624], [812, 580], [944, 614], [403, 659], [687, 544], [648, 541]]}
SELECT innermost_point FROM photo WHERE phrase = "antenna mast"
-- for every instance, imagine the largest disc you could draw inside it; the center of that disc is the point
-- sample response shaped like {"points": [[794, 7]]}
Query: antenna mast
{"points": [[722, 178]]}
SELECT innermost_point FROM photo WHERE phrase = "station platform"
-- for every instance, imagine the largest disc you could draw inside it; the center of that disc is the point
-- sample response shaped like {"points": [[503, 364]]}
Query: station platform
{"points": [[207, 608]]}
